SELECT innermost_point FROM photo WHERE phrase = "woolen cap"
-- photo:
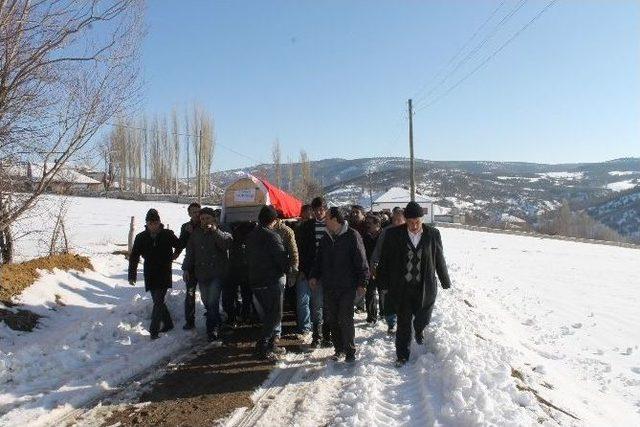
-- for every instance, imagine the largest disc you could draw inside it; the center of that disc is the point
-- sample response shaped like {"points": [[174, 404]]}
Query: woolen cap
{"points": [[152, 215], [413, 210], [267, 215], [208, 211]]}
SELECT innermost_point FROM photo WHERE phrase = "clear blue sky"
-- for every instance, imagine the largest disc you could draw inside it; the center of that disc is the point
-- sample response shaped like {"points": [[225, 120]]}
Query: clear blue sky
{"points": [[333, 77]]}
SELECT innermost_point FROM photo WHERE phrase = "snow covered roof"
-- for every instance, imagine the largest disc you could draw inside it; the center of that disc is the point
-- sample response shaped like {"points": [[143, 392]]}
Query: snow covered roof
{"points": [[395, 196], [64, 174], [512, 219]]}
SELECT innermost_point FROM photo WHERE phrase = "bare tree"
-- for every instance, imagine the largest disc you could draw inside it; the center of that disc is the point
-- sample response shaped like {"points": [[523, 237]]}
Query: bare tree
{"points": [[290, 175], [307, 187], [66, 68], [203, 144], [188, 162], [277, 163], [176, 145]]}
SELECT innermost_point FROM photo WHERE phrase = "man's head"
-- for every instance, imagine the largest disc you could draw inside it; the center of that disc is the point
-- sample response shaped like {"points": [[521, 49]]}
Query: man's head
{"points": [[319, 208], [413, 214], [397, 217], [306, 212], [194, 212], [207, 218], [335, 219], [357, 213], [373, 223], [153, 221], [267, 216]]}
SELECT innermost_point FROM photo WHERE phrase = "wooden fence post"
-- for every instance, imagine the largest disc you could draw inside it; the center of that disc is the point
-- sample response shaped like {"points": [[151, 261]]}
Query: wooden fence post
{"points": [[131, 234]]}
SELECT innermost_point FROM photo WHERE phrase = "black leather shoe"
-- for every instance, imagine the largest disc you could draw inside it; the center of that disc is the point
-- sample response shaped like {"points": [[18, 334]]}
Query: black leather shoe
{"points": [[327, 343], [401, 362], [338, 357]]}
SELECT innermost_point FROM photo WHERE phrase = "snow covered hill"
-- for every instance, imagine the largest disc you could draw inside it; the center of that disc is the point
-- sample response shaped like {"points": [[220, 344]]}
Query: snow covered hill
{"points": [[530, 324], [486, 189]]}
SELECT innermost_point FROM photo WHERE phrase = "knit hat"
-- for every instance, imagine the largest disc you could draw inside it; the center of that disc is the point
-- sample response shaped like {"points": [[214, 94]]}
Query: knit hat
{"points": [[208, 211], [413, 210], [152, 215], [267, 215]]}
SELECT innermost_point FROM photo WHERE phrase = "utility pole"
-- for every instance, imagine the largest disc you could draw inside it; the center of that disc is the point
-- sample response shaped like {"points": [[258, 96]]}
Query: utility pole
{"points": [[412, 178]]}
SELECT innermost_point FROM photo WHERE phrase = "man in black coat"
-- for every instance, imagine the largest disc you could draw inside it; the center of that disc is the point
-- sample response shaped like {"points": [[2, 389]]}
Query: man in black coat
{"points": [[341, 269], [156, 245], [268, 262], [411, 257], [190, 297]]}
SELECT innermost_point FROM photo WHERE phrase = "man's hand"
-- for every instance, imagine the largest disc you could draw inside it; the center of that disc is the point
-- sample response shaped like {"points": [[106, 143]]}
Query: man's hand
{"points": [[132, 282], [360, 291], [313, 283], [185, 276]]}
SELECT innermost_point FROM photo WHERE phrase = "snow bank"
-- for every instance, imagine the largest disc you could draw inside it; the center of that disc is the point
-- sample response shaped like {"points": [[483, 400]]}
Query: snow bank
{"points": [[93, 336], [527, 321]]}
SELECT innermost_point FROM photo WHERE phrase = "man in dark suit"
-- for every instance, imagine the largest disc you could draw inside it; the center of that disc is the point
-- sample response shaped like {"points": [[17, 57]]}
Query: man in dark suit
{"points": [[411, 257]]}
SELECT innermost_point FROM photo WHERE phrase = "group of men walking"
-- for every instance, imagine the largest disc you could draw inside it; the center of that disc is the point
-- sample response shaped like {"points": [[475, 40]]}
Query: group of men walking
{"points": [[331, 263]]}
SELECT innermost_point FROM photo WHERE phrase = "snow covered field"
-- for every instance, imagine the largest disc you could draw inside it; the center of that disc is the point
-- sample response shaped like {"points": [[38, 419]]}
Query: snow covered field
{"points": [[524, 314]]}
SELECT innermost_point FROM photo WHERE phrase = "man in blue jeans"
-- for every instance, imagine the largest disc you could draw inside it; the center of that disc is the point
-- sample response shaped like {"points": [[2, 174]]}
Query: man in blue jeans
{"points": [[206, 257], [268, 262], [310, 301]]}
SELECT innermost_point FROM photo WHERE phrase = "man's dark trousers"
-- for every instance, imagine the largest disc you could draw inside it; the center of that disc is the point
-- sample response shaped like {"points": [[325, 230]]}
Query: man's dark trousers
{"points": [[270, 299], [160, 313], [371, 298], [410, 317], [338, 305], [190, 300]]}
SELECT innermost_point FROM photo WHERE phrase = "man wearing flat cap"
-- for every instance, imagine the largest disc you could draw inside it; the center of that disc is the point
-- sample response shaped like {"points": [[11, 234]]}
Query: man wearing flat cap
{"points": [[156, 245], [411, 257]]}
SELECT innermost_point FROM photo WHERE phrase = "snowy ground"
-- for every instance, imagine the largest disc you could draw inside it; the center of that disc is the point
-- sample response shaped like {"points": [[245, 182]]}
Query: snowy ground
{"points": [[94, 331], [524, 314]]}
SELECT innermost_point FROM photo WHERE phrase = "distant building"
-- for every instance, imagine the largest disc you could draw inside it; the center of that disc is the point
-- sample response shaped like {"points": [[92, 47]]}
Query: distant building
{"points": [[398, 196], [66, 180]]}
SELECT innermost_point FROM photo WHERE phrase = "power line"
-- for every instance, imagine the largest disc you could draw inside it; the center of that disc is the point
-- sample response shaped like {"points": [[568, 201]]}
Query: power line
{"points": [[455, 57], [470, 55], [490, 57]]}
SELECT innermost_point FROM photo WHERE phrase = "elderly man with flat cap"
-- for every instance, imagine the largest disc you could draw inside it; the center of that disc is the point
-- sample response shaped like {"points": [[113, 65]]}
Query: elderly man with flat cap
{"points": [[411, 257]]}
